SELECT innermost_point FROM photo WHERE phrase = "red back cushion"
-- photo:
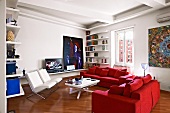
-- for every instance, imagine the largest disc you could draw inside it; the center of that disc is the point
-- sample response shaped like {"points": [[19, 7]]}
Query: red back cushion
{"points": [[147, 79], [112, 72], [115, 89], [123, 70], [120, 73], [132, 86], [104, 72], [98, 70], [91, 71]]}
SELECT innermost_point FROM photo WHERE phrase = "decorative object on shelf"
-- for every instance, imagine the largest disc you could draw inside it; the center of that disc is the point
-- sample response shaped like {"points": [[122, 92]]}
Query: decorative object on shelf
{"points": [[103, 47], [106, 41], [105, 61], [87, 32], [95, 54], [93, 48], [95, 36], [10, 68], [24, 72], [101, 36], [103, 42], [102, 60], [13, 22], [10, 36], [9, 19], [144, 66], [13, 86], [11, 52]]}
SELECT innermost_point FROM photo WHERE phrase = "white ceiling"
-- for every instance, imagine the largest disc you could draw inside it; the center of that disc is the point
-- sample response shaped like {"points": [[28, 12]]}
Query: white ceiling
{"points": [[110, 7], [90, 12]]}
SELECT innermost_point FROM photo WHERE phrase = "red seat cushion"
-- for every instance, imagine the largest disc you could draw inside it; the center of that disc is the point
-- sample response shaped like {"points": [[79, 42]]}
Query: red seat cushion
{"points": [[112, 72], [98, 70], [92, 76], [132, 86], [147, 79], [104, 72], [120, 73], [110, 80]]}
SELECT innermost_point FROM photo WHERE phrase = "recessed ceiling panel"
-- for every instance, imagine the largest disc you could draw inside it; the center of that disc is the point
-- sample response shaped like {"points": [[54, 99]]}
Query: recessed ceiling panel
{"points": [[105, 6]]}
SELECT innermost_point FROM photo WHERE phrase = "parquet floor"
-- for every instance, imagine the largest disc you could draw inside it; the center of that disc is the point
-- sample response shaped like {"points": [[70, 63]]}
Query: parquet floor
{"points": [[62, 102]]}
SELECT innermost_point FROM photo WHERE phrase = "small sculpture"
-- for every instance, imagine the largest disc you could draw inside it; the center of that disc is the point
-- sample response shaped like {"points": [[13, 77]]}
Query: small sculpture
{"points": [[10, 36]]}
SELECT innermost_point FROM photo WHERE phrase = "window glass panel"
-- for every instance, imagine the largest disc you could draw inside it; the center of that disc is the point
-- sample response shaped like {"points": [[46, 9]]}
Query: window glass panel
{"points": [[128, 45], [124, 47], [120, 38]]}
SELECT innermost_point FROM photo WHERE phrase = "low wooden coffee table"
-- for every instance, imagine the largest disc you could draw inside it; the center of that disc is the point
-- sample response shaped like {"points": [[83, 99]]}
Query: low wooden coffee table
{"points": [[85, 83]]}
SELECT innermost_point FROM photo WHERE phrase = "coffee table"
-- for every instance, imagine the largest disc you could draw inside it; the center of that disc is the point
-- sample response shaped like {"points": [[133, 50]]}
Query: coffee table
{"points": [[85, 83]]}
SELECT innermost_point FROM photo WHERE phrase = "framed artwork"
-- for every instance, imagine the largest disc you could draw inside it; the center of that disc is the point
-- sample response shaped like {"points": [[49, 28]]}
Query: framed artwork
{"points": [[73, 52], [159, 46]]}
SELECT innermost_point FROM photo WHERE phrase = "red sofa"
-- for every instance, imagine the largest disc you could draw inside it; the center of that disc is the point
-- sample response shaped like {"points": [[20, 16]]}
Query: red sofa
{"points": [[107, 76], [138, 96]]}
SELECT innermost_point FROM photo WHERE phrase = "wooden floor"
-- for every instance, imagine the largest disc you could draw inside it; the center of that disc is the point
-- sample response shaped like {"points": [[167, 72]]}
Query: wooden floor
{"points": [[62, 102]]}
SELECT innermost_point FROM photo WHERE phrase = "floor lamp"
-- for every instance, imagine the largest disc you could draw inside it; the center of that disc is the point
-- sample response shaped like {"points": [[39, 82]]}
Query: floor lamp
{"points": [[144, 66]]}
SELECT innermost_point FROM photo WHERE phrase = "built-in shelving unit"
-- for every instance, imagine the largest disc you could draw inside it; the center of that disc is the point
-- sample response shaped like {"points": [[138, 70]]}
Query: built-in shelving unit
{"points": [[11, 44], [97, 49]]}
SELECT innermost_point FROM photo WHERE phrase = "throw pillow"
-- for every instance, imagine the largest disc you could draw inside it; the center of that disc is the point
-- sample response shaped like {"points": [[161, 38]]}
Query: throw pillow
{"points": [[132, 86], [147, 79], [98, 70], [112, 72], [118, 90], [104, 72], [120, 73], [91, 71]]}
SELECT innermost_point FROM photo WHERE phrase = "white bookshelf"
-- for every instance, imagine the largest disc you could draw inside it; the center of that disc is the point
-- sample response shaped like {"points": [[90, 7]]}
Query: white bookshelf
{"points": [[13, 43], [13, 59], [97, 49], [14, 75], [96, 57], [98, 45], [12, 14]]}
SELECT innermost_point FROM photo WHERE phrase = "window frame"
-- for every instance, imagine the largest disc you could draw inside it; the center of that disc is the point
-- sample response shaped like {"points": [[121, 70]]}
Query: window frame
{"points": [[124, 63]]}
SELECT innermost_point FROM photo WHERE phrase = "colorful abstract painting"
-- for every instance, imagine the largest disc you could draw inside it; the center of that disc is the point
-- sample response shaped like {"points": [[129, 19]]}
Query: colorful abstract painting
{"points": [[159, 47]]}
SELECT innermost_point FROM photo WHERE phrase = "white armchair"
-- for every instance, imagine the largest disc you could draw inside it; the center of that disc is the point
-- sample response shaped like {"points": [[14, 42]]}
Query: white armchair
{"points": [[36, 83], [46, 77]]}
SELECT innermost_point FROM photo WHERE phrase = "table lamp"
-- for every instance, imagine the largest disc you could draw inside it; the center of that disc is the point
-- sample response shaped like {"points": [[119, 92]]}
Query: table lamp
{"points": [[144, 66]]}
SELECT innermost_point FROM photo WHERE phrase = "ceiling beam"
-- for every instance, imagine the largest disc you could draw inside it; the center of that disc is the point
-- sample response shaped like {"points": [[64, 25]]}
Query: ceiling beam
{"points": [[51, 4], [153, 3]]}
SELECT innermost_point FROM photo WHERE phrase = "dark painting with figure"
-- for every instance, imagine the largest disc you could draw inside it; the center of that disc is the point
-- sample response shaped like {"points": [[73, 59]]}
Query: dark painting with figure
{"points": [[73, 52]]}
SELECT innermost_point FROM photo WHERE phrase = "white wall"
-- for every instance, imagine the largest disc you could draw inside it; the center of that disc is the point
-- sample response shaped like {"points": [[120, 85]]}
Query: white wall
{"points": [[40, 40], [3, 100], [141, 26]]}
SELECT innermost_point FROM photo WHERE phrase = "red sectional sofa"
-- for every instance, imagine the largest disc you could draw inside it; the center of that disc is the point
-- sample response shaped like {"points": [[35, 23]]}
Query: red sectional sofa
{"points": [[138, 96], [107, 76]]}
